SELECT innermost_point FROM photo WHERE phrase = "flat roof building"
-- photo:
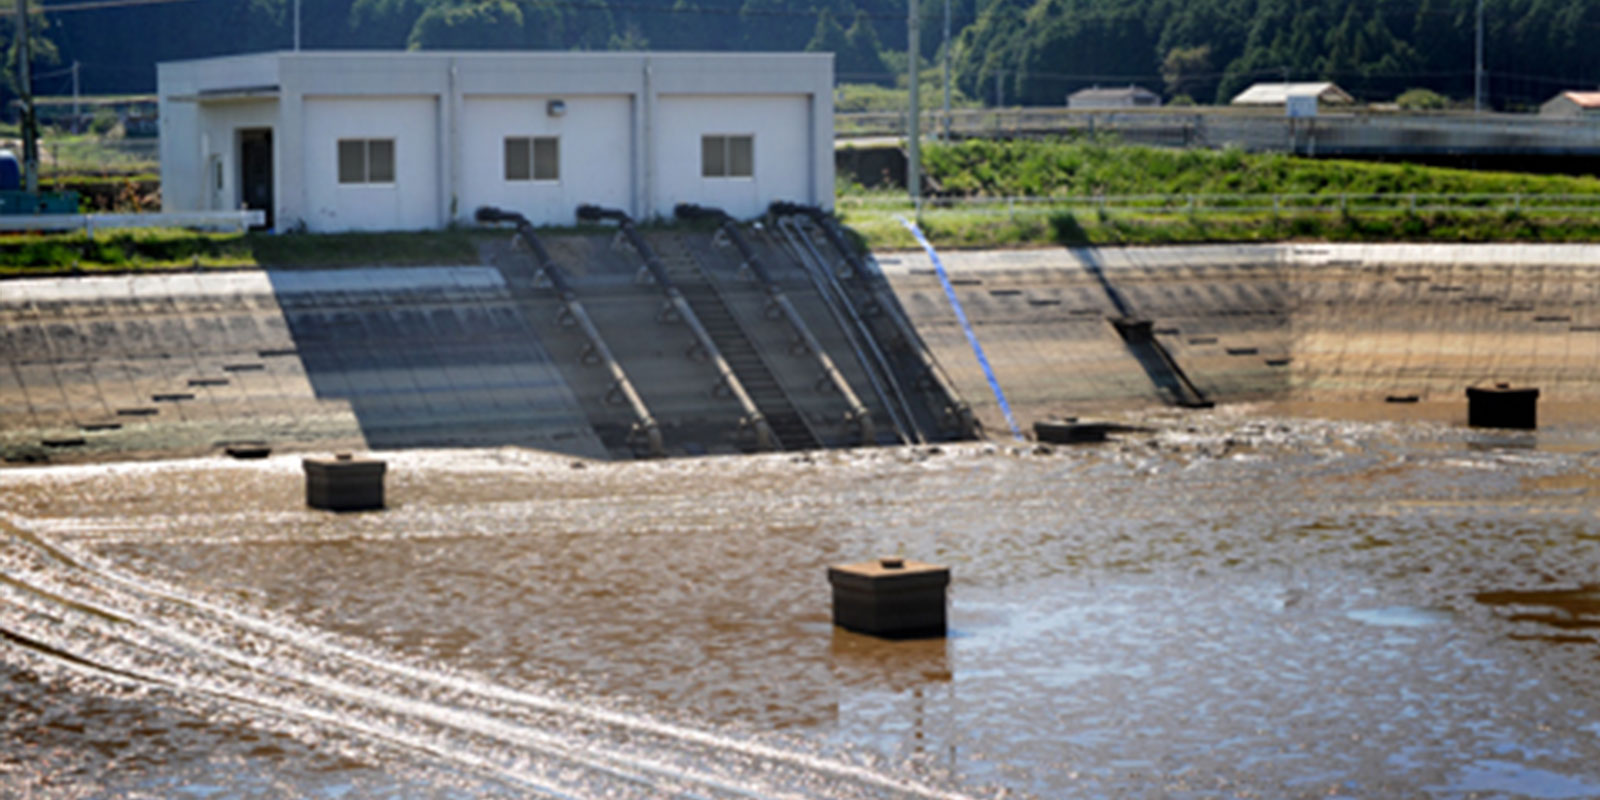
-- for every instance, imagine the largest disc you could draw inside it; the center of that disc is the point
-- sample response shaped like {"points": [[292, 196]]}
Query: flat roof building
{"points": [[335, 141]]}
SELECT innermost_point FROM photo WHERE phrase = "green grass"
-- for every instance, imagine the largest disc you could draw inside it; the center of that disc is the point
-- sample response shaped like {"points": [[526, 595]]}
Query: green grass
{"points": [[986, 169], [165, 249], [1039, 226], [1044, 168], [160, 249]]}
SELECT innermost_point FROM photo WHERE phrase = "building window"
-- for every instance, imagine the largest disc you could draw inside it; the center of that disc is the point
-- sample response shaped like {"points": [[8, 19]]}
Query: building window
{"points": [[727, 156], [366, 161], [533, 158]]}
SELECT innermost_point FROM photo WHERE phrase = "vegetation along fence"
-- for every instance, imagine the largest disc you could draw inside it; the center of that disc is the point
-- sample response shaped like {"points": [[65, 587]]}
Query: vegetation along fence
{"points": [[1226, 204]]}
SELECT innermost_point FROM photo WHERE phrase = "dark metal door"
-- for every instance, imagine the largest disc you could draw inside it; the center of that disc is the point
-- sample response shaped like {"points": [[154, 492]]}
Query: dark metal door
{"points": [[255, 170]]}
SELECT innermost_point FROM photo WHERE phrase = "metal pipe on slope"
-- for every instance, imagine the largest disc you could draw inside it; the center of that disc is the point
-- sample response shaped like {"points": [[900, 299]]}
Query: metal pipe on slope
{"points": [[645, 424], [858, 410], [885, 299], [765, 438]]}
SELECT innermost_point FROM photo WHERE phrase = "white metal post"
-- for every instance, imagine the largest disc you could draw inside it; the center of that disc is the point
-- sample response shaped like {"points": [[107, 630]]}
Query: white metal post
{"points": [[1477, 69], [914, 126], [947, 71]]}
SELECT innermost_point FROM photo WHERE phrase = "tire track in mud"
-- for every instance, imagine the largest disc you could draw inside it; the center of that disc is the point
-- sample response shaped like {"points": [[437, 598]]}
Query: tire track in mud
{"points": [[78, 609]]}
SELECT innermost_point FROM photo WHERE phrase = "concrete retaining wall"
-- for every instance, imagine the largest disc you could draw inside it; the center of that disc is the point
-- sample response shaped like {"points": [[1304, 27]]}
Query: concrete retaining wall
{"points": [[1268, 322], [112, 367]]}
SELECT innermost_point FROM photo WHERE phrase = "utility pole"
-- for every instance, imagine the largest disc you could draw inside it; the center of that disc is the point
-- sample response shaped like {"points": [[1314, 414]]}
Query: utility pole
{"points": [[297, 26], [1477, 70], [75, 118], [947, 71], [914, 128], [30, 131]]}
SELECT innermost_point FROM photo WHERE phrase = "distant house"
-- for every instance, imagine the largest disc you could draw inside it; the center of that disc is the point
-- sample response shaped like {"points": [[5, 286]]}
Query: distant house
{"points": [[1278, 94], [1572, 105], [1123, 97]]}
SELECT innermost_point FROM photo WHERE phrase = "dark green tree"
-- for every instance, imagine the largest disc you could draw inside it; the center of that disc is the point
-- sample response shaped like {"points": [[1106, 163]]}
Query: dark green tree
{"points": [[485, 25], [863, 53]]}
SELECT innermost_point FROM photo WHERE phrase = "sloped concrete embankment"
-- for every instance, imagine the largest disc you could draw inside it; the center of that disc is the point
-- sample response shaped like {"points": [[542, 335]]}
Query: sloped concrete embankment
{"points": [[1311, 323], [188, 363], [130, 366], [115, 367]]}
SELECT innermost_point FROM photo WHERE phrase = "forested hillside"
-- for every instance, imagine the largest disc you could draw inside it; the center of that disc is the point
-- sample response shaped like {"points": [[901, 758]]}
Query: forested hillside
{"points": [[1028, 51]]}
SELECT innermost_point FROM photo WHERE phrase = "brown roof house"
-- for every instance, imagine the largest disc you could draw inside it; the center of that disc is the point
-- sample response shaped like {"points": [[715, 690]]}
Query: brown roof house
{"points": [[1572, 105]]}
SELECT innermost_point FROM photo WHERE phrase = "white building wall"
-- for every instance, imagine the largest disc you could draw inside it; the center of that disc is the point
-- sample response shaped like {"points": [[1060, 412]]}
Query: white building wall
{"points": [[781, 126], [630, 138], [411, 202], [595, 137], [220, 124]]}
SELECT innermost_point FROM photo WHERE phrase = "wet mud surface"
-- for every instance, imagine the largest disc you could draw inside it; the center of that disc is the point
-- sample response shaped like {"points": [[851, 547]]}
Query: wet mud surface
{"points": [[1244, 602]]}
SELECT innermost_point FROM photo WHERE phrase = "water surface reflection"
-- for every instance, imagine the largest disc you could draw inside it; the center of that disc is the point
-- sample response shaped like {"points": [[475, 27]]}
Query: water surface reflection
{"points": [[1232, 604]]}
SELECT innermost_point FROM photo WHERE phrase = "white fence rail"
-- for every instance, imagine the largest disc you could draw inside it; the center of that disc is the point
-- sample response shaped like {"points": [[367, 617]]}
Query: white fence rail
{"points": [[90, 223], [1257, 130]]}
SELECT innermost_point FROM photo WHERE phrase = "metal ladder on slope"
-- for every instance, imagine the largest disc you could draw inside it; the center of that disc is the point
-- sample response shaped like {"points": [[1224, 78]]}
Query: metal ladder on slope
{"points": [[787, 424]]}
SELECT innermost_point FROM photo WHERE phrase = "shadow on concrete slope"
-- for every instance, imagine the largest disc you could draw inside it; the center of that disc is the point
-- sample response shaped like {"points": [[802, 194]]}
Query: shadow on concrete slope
{"points": [[430, 357]]}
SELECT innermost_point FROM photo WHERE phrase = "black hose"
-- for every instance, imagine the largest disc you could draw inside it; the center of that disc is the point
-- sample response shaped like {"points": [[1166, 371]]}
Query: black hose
{"points": [[592, 213], [529, 238]]}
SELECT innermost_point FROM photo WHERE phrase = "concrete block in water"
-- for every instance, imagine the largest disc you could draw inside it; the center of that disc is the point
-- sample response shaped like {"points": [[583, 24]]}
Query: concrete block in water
{"points": [[1503, 406], [344, 483], [1070, 432], [890, 597]]}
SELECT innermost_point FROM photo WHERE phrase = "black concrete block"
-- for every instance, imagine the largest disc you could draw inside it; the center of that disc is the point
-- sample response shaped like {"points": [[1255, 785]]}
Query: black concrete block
{"points": [[1503, 406], [890, 597], [343, 483]]}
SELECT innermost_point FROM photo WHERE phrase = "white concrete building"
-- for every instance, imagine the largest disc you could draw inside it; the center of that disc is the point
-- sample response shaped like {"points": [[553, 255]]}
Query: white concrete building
{"points": [[336, 141]]}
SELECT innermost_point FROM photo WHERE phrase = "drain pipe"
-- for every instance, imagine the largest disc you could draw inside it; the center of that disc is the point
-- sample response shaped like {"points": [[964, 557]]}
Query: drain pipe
{"points": [[752, 413], [855, 330], [645, 425], [959, 410], [858, 411]]}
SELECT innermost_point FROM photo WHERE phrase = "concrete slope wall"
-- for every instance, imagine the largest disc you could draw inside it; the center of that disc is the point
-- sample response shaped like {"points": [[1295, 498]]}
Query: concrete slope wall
{"points": [[110, 367], [1297, 322], [186, 363], [183, 363]]}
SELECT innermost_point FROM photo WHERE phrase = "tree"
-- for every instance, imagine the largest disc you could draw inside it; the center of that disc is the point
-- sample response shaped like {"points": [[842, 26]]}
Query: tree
{"points": [[1422, 100], [1185, 69], [488, 25], [828, 37], [41, 50], [863, 55]]}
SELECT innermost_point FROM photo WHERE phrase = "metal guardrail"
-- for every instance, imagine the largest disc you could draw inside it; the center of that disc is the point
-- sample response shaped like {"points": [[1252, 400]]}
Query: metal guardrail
{"points": [[90, 223], [1201, 204], [1334, 131]]}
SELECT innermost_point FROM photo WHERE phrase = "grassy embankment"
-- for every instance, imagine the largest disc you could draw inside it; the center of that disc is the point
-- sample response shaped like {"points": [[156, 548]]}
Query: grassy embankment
{"points": [[1064, 173], [1147, 193], [159, 249]]}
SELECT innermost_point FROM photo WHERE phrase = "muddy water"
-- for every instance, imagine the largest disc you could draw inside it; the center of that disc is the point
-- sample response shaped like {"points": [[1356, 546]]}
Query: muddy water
{"points": [[1248, 602]]}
